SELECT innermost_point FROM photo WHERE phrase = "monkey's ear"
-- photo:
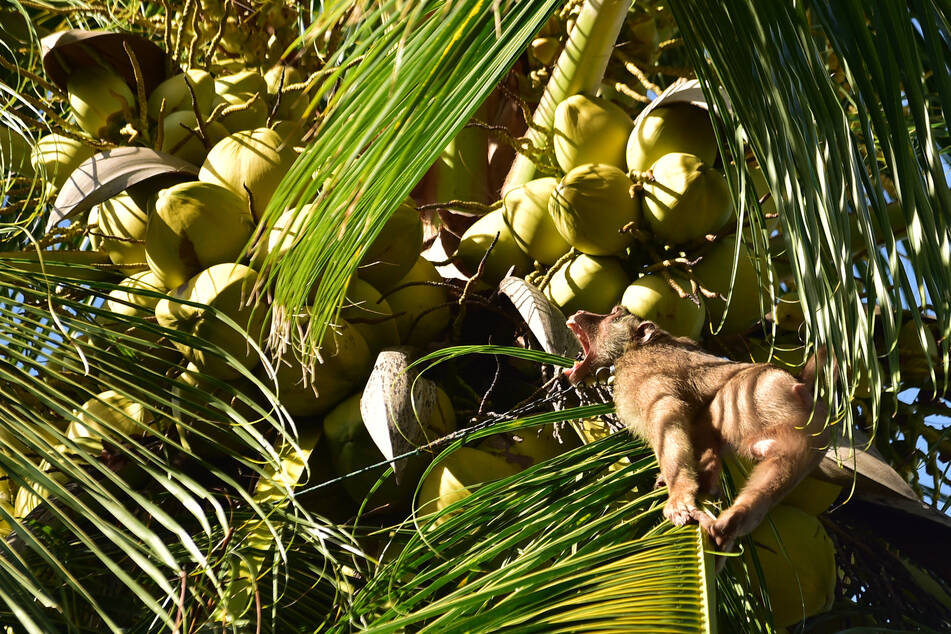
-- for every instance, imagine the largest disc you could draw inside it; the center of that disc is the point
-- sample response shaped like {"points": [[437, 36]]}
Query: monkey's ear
{"points": [[645, 332]]}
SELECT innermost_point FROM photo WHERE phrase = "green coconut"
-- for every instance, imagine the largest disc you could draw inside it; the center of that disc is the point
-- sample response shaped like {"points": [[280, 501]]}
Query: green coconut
{"points": [[283, 235], [640, 36], [193, 226], [110, 415], [525, 209], [675, 128], [180, 136], [352, 449], [100, 101], [55, 157], [714, 274], [15, 152], [122, 228], [252, 161], [235, 39], [142, 305], [395, 249], [8, 491], [344, 351], [293, 103], [686, 200], [246, 82], [279, 77], [329, 500], [788, 313], [250, 111], [545, 49], [291, 131], [417, 322], [787, 353], [590, 130], [914, 355], [322, 391], [345, 362], [31, 494], [798, 562], [591, 430], [528, 447], [238, 404], [174, 91], [591, 205], [811, 495], [651, 297], [149, 347], [589, 283], [369, 312], [506, 253], [762, 189], [457, 476], [222, 287], [92, 225]]}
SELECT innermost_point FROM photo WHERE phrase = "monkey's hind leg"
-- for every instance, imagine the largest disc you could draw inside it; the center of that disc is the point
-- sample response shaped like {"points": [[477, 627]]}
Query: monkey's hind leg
{"points": [[785, 456]]}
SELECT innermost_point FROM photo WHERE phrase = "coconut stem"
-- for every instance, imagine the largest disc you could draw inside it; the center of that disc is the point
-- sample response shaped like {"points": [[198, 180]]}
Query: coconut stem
{"points": [[579, 68], [141, 102], [563, 260], [216, 38]]}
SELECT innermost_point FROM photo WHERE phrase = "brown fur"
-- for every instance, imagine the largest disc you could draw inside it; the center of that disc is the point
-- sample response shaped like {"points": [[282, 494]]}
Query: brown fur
{"points": [[691, 406]]}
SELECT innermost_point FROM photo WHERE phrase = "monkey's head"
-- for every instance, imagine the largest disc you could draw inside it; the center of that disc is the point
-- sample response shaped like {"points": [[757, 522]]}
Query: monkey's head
{"points": [[604, 338]]}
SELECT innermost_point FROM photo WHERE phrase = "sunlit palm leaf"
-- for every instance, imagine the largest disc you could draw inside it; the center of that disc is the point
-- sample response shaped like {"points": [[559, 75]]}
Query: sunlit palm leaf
{"points": [[577, 542], [836, 152], [422, 72], [141, 503]]}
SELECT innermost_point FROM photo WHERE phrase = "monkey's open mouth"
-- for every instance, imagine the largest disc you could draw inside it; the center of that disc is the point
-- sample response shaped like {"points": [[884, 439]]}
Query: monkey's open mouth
{"points": [[580, 334]]}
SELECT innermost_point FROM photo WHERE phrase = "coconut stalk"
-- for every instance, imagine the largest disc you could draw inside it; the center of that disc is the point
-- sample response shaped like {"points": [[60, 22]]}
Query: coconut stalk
{"points": [[580, 68]]}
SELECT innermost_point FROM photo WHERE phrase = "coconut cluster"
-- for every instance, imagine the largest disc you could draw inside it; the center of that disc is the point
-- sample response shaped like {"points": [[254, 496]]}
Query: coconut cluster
{"points": [[619, 198], [192, 249], [628, 199], [187, 115], [628, 194]]}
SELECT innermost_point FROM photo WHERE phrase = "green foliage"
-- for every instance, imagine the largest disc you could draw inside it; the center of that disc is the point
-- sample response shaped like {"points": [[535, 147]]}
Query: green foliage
{"points": [[570, 543], [148, 530], [417, 77], [836, 148]]}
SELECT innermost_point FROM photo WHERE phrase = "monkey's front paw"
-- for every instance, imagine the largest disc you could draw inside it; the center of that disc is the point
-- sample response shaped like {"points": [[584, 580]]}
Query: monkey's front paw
{"points": [[680, 511], [660, 483]]}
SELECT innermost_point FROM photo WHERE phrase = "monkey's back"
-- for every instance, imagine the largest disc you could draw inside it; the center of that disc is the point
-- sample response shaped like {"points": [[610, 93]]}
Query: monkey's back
{"points": [[674, 377]]}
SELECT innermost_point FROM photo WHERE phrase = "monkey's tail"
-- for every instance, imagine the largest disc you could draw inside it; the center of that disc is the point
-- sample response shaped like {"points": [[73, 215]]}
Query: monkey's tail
{"points": [[811, 374], [813, 367]]}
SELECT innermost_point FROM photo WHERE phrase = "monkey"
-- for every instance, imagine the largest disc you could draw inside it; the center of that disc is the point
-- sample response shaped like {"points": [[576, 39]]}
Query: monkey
{"points": [[690, 406]]}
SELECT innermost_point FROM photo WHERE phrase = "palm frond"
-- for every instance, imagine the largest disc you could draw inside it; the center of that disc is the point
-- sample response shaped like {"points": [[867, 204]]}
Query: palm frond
{"points": [[836, 149], [418, 76], [574, 543], [150, 499]]}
